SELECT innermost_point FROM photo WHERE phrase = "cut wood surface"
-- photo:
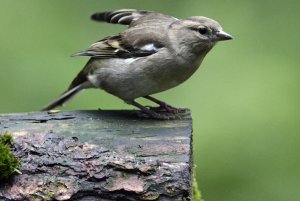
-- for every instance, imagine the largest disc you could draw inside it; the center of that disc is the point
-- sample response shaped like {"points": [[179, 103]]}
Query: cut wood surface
{"points": [[99, 155]]}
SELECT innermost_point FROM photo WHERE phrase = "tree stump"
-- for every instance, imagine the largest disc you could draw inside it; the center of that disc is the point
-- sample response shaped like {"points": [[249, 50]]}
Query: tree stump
{"points": [[99, 155]]}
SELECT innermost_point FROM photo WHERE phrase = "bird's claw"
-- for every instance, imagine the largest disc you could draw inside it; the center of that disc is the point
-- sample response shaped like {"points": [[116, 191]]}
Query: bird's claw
{"points": [[168, 108]]}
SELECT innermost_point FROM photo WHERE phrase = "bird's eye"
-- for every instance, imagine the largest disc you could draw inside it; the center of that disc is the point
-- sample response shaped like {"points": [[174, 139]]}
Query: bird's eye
{"points": [[203, 30]]}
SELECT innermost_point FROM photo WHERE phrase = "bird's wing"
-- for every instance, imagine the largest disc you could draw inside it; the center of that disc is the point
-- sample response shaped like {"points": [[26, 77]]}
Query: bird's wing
{"points": [[146, 34], [132, 17], [115, 47], [123, 16]]}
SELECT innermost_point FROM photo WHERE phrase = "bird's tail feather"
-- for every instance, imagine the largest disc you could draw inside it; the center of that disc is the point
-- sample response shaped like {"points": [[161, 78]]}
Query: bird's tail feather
{"points": [[66, 96]]}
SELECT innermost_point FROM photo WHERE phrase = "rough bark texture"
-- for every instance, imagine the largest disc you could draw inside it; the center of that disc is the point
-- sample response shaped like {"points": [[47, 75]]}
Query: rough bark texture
{"points": [[99, 155]]}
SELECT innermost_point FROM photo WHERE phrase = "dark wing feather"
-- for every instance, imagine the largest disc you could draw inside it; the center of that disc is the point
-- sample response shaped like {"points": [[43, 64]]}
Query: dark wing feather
{"points": [[112, 47], [124, 16]]}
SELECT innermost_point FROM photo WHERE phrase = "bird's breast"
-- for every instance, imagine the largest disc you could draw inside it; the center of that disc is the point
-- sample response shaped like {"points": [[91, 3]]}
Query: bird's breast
{"points": [[133, 78]]}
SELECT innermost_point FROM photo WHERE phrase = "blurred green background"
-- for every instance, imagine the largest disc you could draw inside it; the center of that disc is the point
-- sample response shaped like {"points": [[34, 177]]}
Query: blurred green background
{"points": [[244, 98]]}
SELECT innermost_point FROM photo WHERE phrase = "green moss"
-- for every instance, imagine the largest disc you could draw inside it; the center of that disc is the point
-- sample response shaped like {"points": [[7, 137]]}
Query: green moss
{"points": [[196, 191], [9, 164], [6, 138]]}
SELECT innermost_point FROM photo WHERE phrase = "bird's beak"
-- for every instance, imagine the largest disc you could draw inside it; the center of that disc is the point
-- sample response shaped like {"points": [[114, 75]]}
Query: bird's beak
{"points": [[222, 35]]}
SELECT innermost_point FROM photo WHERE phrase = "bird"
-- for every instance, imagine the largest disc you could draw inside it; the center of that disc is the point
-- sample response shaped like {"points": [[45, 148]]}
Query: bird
{"points": [[155, 53]]}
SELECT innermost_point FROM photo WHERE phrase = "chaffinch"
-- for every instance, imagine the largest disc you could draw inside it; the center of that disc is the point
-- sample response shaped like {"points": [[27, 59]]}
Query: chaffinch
{"points": [[155, 53]]}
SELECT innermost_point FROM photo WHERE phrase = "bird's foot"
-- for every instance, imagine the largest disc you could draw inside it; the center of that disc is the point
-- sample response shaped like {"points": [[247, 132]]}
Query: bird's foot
{"points": [[146, 112], [168, 108]]}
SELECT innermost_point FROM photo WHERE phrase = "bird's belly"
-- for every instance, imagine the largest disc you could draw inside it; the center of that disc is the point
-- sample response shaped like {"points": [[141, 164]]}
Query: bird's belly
{"points": [[131, 82]]}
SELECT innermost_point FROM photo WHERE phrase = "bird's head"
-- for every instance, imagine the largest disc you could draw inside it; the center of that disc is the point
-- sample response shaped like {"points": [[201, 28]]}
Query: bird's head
{"points": [[198, 33]]}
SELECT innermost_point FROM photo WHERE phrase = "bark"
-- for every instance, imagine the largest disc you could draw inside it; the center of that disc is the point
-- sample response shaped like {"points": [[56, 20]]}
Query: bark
{"points": [[99, 155]]}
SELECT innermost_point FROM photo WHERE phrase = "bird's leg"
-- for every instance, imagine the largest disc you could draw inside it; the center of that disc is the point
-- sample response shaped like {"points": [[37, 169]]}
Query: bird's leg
{"points": [[164, 106], [151, 113]]}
